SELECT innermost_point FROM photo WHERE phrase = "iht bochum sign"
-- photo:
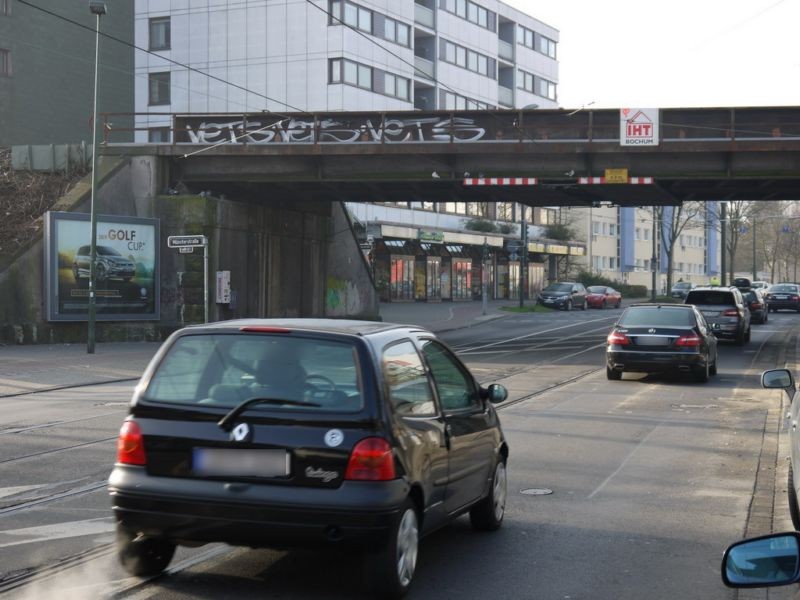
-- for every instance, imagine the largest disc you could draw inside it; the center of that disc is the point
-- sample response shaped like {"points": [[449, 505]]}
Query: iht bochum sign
{"points": [[671, 154]]}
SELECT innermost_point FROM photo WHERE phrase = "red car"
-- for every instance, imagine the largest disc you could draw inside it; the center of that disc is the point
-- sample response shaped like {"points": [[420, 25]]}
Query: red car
{"points": [[600, 296]]}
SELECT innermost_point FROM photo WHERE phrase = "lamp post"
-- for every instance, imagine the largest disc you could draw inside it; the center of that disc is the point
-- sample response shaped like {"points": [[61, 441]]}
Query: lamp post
{"points": [[98, 9]]}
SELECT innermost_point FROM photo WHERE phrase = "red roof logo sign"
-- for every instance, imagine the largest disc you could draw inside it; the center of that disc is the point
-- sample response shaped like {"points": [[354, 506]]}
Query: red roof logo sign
{"points": [[638, 127]]}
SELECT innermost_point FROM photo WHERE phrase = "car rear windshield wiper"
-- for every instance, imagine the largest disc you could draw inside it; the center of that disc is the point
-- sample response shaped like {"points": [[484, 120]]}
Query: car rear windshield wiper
{"points": [[226, 423]]}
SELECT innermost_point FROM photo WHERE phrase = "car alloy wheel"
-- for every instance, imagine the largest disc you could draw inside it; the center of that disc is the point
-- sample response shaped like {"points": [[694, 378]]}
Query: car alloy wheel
{"points": [[613, 374], [391, 570], [568, 305], [488, 514]]}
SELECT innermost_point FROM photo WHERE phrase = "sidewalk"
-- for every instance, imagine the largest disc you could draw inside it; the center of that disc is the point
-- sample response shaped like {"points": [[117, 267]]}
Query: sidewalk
{"points": [[27, 369]]}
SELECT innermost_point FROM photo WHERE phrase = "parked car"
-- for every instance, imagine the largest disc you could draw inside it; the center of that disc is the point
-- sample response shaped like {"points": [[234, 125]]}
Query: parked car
{"points": [[309, 433], [765, 561], [784, 296], [654, 338], [758, 304], [109, 264], [783, 379], [725, 311], [681, 288], [601, 296], [564, 295]]}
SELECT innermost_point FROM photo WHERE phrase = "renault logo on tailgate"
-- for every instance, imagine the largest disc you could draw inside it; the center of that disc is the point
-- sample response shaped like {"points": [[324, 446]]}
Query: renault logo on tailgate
{"points": [[240, 433]]}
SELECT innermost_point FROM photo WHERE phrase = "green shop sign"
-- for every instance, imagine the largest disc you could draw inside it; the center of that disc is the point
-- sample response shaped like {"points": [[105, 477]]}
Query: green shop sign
{"points": [[431, 236]]}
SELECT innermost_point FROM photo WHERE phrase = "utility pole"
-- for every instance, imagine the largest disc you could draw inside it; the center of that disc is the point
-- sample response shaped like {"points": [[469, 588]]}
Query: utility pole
{"points": [[485, 277], [723, 219], [524, 236], [755, 275], [653, 258]]}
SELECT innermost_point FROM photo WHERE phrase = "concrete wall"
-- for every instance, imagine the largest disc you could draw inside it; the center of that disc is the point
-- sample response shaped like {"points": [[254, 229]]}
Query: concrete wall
{"points": [[284, 261], [350, 291]]}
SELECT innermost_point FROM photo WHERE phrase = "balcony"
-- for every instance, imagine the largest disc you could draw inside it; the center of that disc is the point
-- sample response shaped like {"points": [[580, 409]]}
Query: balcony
{"points": [[423, 15], [505, 50], [423, 67], [505, 96]]}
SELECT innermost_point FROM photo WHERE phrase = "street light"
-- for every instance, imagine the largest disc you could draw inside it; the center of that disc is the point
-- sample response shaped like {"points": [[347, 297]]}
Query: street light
{"points": [[98, 9]]}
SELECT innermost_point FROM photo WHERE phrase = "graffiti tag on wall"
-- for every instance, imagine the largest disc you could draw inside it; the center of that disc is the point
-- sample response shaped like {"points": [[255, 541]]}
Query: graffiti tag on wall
{"points": [[328, 130]]}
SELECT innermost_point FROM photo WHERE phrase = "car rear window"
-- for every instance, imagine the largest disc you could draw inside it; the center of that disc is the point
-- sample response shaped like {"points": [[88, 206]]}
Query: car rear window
{"points": [[654, 316], [790, 289], [710, 297], [226, 369]]}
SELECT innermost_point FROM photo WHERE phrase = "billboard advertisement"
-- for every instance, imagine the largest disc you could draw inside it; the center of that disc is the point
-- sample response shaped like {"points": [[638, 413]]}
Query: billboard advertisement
{"points": [[638, 127], [126, 267]]}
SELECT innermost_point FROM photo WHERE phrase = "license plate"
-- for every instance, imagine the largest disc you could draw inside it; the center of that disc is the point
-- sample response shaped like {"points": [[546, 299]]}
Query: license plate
{"points": [[548, 300], [215, 462], [781, 297], [652, 341], [710, 313]]}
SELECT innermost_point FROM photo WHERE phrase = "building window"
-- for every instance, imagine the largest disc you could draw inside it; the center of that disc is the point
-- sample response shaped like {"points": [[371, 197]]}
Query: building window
{"points": [[467, 59], [5, 62], [459, 208], [352, 73], [158, 135], [547, 89], [474, 13], [455, 102], [160, 33], [365, 20], [159, 88], [528, 38], [547, 46]]}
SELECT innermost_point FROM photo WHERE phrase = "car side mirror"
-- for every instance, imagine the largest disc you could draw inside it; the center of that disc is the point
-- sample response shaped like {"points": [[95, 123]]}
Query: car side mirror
{"points": [[778, 379], [496, 393], [765, 561]]}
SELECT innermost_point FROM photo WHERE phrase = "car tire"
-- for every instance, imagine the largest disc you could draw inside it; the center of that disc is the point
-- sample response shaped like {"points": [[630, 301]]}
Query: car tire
{"points": [[585, 305], [739, 341], [488, 514], [100, 272], [390, 570], [794, 510], [712, 369], [76, 273], [613, 374], [568, 305], [604, 305], [143, 557], [618, 304], [701, 373], [747, 335]]}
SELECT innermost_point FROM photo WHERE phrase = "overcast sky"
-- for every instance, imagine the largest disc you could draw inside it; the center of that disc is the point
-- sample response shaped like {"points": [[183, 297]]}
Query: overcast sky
{"points": [[659, 53]]}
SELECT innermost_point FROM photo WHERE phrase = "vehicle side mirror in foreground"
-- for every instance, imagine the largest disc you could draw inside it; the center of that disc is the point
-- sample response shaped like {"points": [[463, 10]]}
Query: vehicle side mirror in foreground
{"points": [[765, 561], [496, 393], [777, 379]]}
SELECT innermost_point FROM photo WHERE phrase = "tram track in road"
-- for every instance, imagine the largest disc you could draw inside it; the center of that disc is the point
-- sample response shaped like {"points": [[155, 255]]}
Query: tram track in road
{"points": [[57, 450]]}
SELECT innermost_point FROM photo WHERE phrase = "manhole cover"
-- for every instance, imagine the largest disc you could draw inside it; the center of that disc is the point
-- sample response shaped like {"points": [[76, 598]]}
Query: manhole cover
{"points": [[536, 492]]}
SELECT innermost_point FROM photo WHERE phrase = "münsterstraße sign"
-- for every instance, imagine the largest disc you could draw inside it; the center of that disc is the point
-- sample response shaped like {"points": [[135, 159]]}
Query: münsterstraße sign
{"points": [[186, 241], [638, 127]]}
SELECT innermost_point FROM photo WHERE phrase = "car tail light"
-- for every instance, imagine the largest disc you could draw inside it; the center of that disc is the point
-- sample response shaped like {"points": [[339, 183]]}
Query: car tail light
{"points": [[371, 460], [130, 445], [617, 338], [756, 305], [730, 312], [690, 340], [795, 298], [263, 329]]}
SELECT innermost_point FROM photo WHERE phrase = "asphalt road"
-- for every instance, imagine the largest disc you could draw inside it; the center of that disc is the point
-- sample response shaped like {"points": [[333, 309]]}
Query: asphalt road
{"points": [[624, 489]]}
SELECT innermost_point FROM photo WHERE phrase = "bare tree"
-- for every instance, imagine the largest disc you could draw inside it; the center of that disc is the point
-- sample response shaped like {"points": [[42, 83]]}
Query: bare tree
{"points": [[674, 220], [735, 225], [564, 230]]}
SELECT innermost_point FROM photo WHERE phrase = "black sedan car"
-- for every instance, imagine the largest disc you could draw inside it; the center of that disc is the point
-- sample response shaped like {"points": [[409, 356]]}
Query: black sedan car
{"points": [[784, 296], [306, 433], [564, 295], [655, 338]]}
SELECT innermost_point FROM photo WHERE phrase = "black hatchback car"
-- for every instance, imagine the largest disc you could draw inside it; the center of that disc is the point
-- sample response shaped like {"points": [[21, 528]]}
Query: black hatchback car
{"points": [[655, 338], [306, 433]]}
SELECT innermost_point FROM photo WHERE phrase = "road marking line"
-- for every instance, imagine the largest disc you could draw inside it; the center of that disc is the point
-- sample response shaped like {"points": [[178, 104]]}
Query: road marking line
{"points": [[529, 335], [58, 531], [13, 491]]}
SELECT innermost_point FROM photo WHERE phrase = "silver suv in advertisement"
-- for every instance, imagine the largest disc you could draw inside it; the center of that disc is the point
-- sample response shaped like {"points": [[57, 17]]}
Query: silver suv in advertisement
{"points": [[109, 264], [725, 311]]}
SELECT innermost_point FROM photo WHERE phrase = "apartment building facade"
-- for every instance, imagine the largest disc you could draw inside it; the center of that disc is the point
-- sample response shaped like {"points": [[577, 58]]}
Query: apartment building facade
{"points": [[47, 62]]}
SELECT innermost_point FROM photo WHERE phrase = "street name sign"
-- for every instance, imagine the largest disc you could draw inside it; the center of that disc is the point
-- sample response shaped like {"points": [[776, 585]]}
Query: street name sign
{"points": [[186, 241]]}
